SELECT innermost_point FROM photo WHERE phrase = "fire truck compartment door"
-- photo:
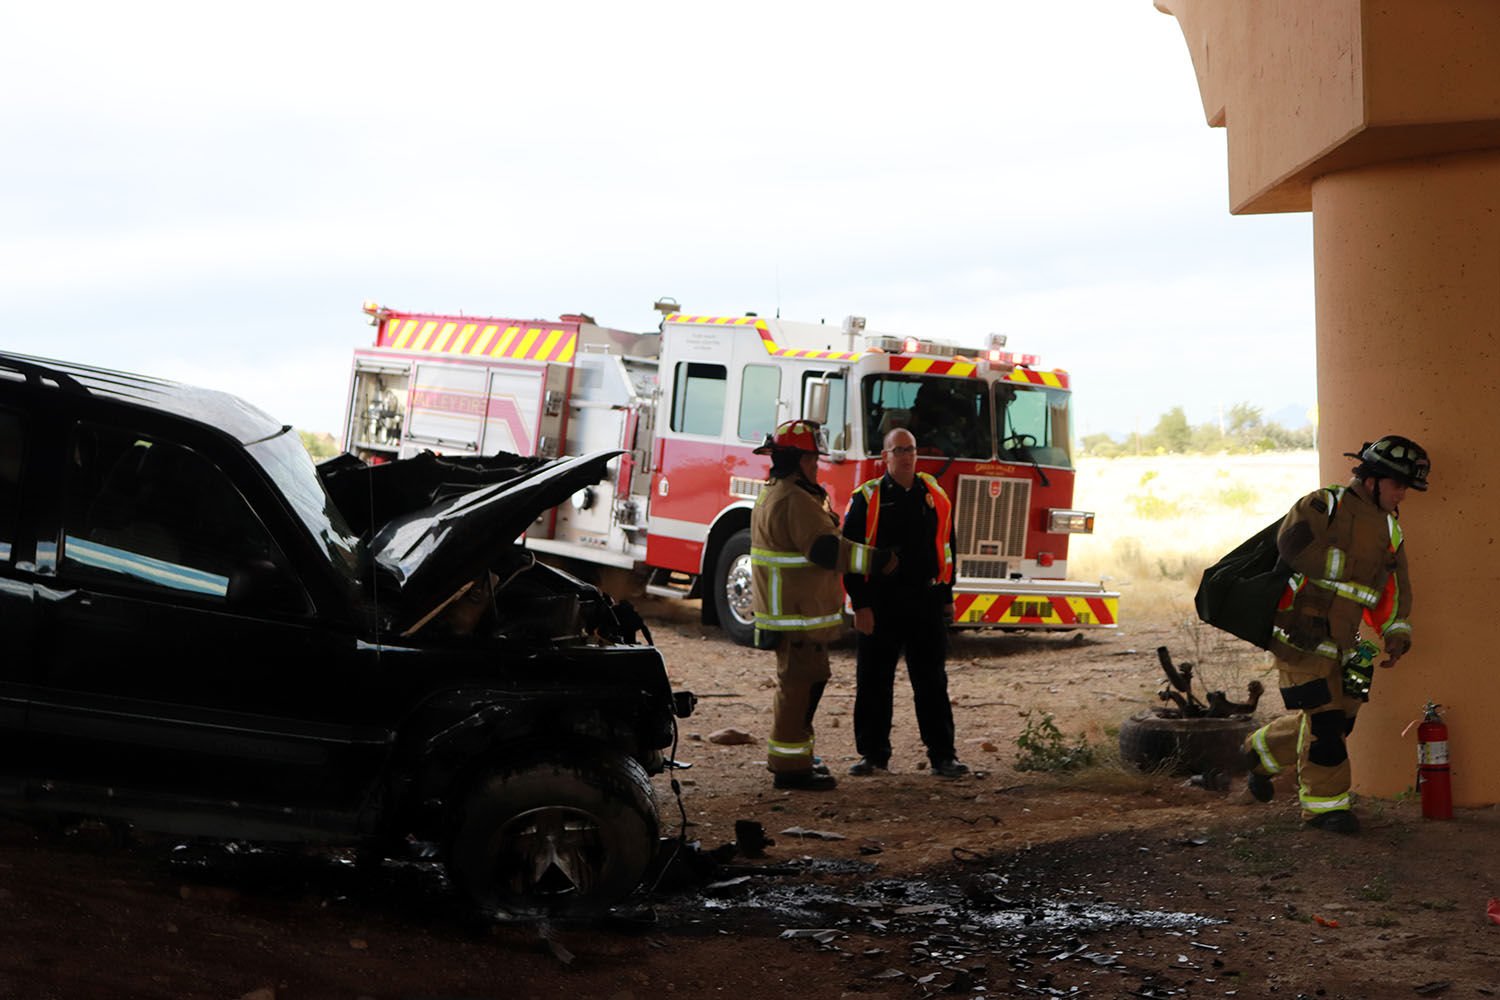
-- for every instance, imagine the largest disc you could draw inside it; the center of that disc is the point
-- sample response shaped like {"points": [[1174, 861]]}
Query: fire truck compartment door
{"points": [[512, 411], [447, 410]]}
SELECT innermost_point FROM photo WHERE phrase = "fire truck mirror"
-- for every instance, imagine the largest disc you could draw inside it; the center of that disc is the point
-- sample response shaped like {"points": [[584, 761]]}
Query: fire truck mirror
{"points": [[815, 406]]}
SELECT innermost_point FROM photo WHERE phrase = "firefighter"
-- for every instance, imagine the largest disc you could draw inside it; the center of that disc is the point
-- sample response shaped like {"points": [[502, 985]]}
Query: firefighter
{"points": [[903, 612], [797, 554], [1344, 546]]}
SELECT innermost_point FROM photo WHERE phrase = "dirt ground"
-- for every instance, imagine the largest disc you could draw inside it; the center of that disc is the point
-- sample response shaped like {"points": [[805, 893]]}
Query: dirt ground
{"points": [[1002, 883]]}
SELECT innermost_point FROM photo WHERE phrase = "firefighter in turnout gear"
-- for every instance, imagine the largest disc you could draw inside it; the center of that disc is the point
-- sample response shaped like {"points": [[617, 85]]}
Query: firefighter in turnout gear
{"points": [[797, 556], [1345, 548]]}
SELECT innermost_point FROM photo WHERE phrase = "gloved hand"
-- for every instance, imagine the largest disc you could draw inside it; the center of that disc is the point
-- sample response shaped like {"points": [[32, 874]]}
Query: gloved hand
{"points": [[885, 561], [864, 621], [1396, 646]]}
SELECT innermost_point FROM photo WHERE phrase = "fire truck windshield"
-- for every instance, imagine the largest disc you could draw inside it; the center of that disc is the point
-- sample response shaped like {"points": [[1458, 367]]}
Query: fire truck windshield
{"points": [[948, 416], [952, 417]]}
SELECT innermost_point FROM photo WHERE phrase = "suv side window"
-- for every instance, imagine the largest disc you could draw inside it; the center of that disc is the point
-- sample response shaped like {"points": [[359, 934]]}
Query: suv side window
{"points": [[148, 511], [10, 480]]}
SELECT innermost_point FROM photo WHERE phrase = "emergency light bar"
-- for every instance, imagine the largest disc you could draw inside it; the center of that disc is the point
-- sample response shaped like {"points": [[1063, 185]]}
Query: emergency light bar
{"points": [[911, 345], [995, 354], [995, 357]]}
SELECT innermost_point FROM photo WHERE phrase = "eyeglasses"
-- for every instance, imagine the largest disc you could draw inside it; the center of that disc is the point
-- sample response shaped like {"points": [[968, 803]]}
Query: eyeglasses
{"points": [[903, 449]]}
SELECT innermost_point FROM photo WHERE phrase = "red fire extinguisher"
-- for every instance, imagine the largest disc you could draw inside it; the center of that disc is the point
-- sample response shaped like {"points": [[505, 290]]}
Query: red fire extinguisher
{"points": [[1432, 766]]}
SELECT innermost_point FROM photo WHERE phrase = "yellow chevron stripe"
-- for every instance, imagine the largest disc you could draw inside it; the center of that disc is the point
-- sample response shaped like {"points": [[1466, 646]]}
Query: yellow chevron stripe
{"points": [[442, 341], [463, 337], [505, 339], [485, 338], [425, 335], [962, 368], [566, 354], [406, 330], [523, 349], [545, 351], [976, 610]]}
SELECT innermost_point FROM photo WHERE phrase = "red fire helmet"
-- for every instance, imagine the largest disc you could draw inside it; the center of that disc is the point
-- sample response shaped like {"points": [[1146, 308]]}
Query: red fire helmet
{"points": [[796, 435]]}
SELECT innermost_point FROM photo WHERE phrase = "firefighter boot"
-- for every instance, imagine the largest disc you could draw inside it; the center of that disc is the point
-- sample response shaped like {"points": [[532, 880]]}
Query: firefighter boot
{"points": [[806, 781], [1259, 784], [1338, 821]]}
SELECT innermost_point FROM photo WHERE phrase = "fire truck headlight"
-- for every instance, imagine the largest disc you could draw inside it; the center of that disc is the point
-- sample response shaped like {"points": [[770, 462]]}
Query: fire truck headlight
{"points": [[583, 499], [1070, 522]]}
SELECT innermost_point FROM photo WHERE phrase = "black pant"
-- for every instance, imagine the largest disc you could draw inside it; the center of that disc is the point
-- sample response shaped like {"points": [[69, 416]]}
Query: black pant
{"points": [[913, 623]]}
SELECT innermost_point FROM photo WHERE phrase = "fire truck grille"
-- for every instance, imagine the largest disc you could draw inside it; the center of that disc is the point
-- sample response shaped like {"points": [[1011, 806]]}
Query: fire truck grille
{"points": [[990, 525]]}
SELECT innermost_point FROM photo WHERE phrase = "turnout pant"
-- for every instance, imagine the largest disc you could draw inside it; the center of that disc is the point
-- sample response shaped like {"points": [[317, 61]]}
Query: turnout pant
{"points": [[801, 674], [1313, 738], [917, 628]]}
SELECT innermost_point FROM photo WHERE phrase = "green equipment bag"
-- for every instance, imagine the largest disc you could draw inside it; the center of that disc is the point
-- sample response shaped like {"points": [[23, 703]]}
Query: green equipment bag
{"points": [[1239, 593]]}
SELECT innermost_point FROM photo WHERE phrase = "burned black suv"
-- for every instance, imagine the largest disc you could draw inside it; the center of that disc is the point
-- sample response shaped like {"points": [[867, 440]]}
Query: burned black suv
{"points": [[205, 634]]}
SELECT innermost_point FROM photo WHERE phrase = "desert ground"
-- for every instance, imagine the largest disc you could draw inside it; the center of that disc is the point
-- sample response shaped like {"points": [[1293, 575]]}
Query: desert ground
{"points": [[1101, 881]]}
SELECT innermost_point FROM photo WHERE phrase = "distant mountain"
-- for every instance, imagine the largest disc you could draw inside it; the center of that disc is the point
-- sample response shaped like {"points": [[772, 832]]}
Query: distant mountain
{"points": [[1291, 416]]}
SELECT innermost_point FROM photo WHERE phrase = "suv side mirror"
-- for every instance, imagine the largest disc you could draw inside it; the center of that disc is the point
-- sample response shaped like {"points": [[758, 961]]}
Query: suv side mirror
{"points": [[260, 585]]}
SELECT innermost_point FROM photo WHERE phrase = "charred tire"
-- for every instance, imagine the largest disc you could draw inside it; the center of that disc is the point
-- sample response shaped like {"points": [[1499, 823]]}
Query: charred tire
{"points": [[733, 592], [559, 834], [1155, 742]]}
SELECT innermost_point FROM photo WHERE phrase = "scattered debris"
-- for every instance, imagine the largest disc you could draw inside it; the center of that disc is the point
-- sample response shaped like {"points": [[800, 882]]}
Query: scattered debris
{"points": [[806, 834], [1179, 691], [822, 935], [729, 736], [750, 837]]}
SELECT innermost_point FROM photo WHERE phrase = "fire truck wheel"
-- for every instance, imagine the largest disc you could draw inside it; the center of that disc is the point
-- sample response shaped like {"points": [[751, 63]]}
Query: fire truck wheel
{"points": [[558, 834], [1154, 742], [732, 589]]}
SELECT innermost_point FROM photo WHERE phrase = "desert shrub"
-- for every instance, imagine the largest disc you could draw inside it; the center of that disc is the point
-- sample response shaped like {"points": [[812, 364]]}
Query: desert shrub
{"points": [[1043, 747], [1238, 496], [1150, 507]]}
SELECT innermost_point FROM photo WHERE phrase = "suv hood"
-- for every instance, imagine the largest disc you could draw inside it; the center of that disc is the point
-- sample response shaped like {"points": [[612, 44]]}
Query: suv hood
{"points": [[429, 553]]}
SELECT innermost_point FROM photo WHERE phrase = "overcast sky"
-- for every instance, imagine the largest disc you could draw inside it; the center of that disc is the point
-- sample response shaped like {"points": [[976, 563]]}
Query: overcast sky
{"points": [[210, 192]]}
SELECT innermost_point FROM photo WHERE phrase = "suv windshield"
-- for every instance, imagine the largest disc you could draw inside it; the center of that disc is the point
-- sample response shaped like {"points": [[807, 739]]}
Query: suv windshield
{"points": [[291, 467]]}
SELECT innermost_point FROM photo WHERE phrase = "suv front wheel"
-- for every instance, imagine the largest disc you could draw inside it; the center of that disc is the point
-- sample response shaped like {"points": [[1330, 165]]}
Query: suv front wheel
{"points": [[562, 833]]}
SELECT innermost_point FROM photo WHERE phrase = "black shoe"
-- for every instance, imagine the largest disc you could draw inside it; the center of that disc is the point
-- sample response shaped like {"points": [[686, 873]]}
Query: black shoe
{"points": [[950, 768], [1338, 821], [1260, 785], [819, 767], [864, 767], [806, 781]]}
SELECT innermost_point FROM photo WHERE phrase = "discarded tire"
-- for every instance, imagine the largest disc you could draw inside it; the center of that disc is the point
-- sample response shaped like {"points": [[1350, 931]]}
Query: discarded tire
{"points": [[1152, 742]]}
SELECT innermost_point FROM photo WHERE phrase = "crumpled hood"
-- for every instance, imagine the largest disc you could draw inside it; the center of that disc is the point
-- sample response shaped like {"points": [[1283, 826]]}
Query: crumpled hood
{"points": [[428, 554]]}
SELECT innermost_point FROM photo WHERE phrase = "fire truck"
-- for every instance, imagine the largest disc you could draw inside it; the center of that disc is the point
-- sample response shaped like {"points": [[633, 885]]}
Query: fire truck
{"points": [[688, 403]]}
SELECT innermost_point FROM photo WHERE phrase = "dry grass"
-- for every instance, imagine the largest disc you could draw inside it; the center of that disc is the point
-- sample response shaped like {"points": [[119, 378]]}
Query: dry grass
{"points": [[1163, 519]]}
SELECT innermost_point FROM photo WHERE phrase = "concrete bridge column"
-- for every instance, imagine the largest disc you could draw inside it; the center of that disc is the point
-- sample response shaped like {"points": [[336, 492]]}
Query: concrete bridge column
{"points": [[1383, 119], [1408, 342]]}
